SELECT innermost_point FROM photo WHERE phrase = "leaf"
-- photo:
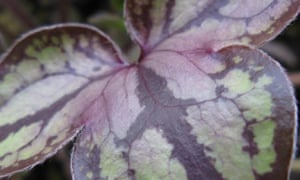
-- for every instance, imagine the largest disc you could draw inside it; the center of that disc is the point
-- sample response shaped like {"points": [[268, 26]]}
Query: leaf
{"points": [[175, 132], [46, 85], [206, 24]]}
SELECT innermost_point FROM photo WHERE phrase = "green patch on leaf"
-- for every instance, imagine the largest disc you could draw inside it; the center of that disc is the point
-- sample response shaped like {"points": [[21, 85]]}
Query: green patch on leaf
{"points": [[257, 104], [237, 82], [112, 164], [221, 134], [263, 137], [15, 141], [151, 158]]}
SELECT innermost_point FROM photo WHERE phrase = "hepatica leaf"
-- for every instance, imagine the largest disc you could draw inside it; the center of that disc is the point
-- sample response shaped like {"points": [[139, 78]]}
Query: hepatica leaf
{"points": [[201, 103], [46, 85], [206, 24]]}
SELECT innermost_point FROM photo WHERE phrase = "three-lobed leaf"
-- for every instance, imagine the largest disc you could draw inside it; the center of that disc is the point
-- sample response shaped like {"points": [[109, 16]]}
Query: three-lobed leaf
{"points": [[201, 103]]}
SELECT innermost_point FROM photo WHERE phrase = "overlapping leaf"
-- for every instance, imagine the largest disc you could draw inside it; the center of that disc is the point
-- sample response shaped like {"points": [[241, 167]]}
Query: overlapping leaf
{"points": [[206, 24], [194, 107], [44, 89]]}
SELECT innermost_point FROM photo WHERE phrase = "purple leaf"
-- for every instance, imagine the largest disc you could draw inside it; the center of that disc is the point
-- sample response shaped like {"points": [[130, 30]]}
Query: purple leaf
{"points": [[191, 121], [206, 24], [46, 85]]}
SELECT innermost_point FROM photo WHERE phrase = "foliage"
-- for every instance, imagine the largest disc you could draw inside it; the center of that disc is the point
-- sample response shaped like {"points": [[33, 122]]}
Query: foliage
{"points": [[201, 102]]}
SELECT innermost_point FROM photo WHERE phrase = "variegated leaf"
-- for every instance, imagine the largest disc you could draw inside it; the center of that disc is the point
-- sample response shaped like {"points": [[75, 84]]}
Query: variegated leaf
{"points": [[227, 115], [45, 86], [206, 24]]}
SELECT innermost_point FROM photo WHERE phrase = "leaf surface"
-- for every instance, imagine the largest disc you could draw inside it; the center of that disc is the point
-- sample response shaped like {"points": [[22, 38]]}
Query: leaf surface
{"points": [[206, 24], [197, 116], [45, 86]]}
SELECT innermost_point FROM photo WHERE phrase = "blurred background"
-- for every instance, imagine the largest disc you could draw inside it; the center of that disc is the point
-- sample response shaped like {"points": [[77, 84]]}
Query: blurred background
{"points": [[19, 16]]}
